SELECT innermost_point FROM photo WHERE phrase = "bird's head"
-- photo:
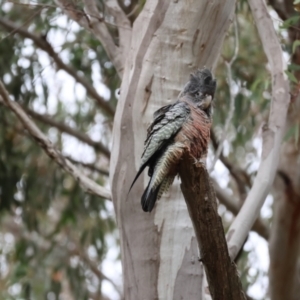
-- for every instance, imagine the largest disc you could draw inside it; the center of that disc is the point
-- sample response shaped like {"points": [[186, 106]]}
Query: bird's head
{"points": [[201, 88]]}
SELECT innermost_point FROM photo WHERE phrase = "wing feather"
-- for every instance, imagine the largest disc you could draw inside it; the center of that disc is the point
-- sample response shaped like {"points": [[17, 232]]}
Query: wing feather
{"points": [[168, 120]]}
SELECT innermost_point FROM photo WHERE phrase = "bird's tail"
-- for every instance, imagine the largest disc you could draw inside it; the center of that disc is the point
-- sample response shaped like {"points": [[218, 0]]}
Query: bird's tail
{"points": [[153, 193], [149, 197], [167, 182], [161, 178]]}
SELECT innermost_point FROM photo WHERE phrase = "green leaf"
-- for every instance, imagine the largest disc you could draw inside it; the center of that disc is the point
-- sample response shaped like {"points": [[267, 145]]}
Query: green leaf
{"points": [[290, 22], [291, 76], [295, 44], [294, 133], [293, 67]]}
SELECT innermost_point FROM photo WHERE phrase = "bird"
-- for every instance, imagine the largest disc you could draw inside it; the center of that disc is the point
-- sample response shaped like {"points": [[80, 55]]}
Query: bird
{"points": [[178, 128]]}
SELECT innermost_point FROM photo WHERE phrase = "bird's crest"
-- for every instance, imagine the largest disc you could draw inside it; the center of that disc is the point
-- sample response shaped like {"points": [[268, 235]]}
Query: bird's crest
{"points": [[201, 80]]}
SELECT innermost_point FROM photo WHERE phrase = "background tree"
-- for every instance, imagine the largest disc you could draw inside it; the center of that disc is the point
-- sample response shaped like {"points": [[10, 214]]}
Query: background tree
{"points": [[81, 68]]}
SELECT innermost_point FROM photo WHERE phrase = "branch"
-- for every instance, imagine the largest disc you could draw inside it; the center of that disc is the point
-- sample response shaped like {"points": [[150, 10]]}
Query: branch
{"points": [[69, 130], [232, 97], [44, 244], [88, 184], [43, 44], [234, 206], [284, 242], [281, 8], [123, 24], [90, 166], [92, 265], [272, 132], [93, 22], [241, 177], [199, 195]]}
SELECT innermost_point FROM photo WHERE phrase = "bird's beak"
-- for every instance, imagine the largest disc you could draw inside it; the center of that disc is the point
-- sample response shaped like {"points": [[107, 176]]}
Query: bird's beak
{"points": [[206, 102]]}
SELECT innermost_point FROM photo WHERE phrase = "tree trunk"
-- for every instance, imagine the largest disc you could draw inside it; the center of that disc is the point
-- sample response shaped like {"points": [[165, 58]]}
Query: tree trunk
{"points": [[284, 244], [170, 39]]}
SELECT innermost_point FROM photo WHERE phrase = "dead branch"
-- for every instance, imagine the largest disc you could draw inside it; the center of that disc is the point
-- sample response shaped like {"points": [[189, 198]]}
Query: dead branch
{"points": [[200, 198]]}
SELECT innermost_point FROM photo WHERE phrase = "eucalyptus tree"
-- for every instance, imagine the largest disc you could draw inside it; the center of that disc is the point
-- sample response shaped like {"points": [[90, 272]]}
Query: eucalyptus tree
{"points": [[81, 80]]}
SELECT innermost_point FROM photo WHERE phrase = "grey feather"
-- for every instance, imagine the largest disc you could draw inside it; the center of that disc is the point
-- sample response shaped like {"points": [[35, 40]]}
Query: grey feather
{"points": [[165, 126]]}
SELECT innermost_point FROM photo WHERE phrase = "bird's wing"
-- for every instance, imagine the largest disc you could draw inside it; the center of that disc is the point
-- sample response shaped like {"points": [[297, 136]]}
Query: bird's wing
{"points": [[168, 120]]}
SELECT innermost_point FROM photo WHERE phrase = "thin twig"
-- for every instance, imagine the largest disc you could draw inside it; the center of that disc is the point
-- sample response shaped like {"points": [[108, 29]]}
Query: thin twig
{"points": [[93, 266], [23, 25], [133, 11], [88, 184], [101, 32], [241, 177], [234, 206], [92, 21], [44, 244], [43, 44], [69, 130], [232, 97], [47, 6], [91, 166]]}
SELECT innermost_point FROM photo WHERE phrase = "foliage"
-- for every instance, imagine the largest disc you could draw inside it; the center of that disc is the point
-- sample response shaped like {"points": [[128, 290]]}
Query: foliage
{"points": [[47, 218]]}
